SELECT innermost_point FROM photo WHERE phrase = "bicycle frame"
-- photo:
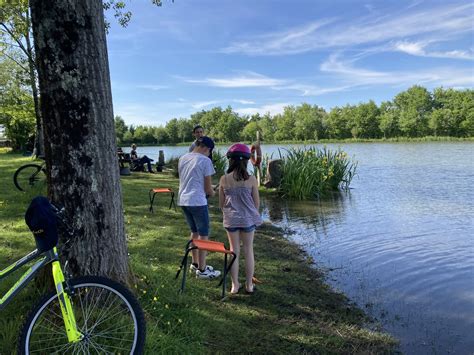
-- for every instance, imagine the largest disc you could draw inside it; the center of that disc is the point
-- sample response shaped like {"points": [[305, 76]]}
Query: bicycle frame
{"points": [[50, 256]]}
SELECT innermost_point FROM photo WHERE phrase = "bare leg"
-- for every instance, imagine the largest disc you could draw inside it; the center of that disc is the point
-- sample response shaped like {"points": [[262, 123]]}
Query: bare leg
{"points": [[247, 241], [234, 240], [202, 254], [194, 253]]}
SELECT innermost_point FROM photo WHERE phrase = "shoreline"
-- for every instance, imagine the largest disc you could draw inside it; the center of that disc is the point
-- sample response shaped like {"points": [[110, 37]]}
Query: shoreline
{"points": [[324, 141]]}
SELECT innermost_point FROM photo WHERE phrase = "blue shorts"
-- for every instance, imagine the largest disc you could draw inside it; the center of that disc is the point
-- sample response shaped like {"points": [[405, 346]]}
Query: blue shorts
{"points": [[197, 218], [242, 229]]}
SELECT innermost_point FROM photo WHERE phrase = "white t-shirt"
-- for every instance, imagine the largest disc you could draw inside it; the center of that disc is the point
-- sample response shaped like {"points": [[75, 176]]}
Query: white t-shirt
{"points": [[192, 168]]}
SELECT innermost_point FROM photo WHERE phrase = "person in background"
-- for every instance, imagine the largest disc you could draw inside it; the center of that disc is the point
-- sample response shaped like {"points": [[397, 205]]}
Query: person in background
{"points": [[195, 186], [198, 132], [239, 200], [140, 161]]}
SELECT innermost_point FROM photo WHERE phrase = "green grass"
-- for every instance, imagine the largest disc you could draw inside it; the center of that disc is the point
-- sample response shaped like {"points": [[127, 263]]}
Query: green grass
{"points": [[293, 310]]}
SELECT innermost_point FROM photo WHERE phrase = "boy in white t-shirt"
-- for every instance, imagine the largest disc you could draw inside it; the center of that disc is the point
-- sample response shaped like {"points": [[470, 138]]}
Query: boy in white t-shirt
{"points": [[195, 186]]}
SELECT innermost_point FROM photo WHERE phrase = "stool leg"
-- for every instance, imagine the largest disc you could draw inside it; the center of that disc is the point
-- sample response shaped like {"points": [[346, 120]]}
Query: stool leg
{"points": [[186, 252], [226, 270], [172, 201], [152, 199], [185, 265], [224, 277]]}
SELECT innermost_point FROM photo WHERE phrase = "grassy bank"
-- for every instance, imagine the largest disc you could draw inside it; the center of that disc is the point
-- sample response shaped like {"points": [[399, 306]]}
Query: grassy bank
{"points": [[293, 310]]}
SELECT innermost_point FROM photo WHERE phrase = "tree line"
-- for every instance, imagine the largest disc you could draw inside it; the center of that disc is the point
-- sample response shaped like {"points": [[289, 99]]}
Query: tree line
{"points": [[413, 113]]}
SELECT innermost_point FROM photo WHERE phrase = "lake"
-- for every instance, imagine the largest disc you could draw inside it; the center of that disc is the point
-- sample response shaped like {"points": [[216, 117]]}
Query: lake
{"points": [[399, 243]]}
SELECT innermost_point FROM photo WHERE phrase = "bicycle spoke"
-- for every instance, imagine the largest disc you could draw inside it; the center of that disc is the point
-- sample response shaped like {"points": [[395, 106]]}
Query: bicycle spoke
{"points": [[104, 315]]}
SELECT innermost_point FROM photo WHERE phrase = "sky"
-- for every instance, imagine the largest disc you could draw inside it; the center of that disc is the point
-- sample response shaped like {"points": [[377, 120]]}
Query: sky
{"points": [[259, 56]]}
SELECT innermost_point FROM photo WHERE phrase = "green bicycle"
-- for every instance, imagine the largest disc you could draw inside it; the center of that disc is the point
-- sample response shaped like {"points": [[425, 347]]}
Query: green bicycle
{"points": [[84, 315]]}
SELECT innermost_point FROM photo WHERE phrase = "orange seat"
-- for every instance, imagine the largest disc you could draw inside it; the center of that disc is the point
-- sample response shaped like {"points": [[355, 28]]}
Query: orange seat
{"points": [[152, 193], [207, 245]]}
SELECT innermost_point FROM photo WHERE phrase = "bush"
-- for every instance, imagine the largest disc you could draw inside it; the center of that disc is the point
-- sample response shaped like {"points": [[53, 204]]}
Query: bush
{"points": [[310, 172]]}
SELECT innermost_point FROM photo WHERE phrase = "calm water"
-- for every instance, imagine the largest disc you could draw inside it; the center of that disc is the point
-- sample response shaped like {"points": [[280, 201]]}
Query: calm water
{"points": [[399, 243]]}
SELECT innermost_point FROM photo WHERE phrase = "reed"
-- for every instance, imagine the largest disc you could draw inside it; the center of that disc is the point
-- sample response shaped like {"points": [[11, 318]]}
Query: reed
{"points": [[311, 172], [220, 162]]}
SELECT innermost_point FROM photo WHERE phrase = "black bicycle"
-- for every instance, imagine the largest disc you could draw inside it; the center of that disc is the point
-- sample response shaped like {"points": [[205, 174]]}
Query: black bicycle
{"points": [[85, 315], [30, 177]]}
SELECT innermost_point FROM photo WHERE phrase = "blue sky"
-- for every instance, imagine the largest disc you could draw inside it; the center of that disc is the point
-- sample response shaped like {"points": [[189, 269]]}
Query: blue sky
{"points": [[262, 55]]}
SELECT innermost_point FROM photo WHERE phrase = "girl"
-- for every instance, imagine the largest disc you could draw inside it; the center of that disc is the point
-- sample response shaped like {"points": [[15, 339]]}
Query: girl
{"points": [[239, 201]]}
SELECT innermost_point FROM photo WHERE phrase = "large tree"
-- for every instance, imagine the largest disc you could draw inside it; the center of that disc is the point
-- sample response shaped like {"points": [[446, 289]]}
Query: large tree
{"points": [[79, 127], [414, 106]]}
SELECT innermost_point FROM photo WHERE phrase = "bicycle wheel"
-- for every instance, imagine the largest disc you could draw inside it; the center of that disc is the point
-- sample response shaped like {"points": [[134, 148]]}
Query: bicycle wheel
{"points": [[29, 176], [107, 314]]}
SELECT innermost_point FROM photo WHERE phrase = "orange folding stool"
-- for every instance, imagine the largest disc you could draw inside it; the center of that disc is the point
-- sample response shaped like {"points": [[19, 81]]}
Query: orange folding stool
{"points": [[152, 193], [210, 246]]}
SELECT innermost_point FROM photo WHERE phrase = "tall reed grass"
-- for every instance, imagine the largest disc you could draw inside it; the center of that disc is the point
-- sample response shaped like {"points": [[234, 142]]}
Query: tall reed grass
{"points": [[220, 162], [311, 172]]}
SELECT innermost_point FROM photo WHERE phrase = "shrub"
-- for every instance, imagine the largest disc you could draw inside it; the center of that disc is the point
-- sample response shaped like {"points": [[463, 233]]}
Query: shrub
{"points": [[310, 172]]}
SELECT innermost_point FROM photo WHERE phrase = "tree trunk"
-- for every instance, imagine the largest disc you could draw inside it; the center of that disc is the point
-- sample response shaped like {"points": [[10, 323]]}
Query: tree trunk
{"points": [[76, 106]]}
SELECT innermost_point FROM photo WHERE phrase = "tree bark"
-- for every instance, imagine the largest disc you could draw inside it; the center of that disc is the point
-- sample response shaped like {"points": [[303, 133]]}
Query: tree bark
{"points": [[76, 106]]}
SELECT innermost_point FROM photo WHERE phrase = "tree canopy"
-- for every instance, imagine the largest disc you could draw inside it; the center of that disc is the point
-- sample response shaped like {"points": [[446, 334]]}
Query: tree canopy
{"points": [[415, 112]]}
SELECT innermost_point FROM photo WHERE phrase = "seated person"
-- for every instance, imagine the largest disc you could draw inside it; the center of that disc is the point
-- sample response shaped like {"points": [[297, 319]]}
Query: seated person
{"points": [[139, 162], [122, 157]]}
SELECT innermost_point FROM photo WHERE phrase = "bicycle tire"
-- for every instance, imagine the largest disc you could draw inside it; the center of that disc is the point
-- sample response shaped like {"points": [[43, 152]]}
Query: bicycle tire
{"points": [[112, 306], [28, 176]]}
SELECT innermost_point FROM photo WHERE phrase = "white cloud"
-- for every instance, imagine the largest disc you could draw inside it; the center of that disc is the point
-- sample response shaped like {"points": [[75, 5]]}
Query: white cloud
{"points": [[152, 87], [244, 102], [199, 105], [312, 90], [248, 79], [436, 24], [273, 109], [418, 49], [441, 76]]}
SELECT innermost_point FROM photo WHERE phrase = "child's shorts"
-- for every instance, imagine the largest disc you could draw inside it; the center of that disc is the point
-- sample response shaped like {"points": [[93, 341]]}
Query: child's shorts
{"points": [[197, 218], [242, 229]]}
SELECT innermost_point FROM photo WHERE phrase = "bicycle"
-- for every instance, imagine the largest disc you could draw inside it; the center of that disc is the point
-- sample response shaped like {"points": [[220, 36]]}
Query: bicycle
{"points": [[30, 176], [90, 314]]}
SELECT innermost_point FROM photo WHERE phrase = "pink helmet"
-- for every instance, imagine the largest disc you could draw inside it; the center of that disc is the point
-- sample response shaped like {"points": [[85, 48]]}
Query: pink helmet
{"points": [[238, 151]]}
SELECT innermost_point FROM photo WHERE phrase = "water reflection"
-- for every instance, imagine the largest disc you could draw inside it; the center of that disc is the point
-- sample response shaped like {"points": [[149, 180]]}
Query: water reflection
{"points": [[318, 214]]}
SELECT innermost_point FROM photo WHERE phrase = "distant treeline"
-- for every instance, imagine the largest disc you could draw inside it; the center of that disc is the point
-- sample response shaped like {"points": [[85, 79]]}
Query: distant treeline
{"points": [[413, 113]]}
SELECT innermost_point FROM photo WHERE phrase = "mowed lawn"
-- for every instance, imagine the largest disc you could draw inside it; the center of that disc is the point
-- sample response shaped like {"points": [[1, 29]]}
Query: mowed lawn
{"points": [[293, 311]]}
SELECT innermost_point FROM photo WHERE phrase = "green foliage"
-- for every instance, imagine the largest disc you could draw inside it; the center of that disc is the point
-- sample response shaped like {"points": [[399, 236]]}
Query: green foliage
{"points": [[311, 172], [120, 12], [338, 122], [414, 107], [366, 121], [17, 112], [220, 162], [413, 113], [120, 129]]}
